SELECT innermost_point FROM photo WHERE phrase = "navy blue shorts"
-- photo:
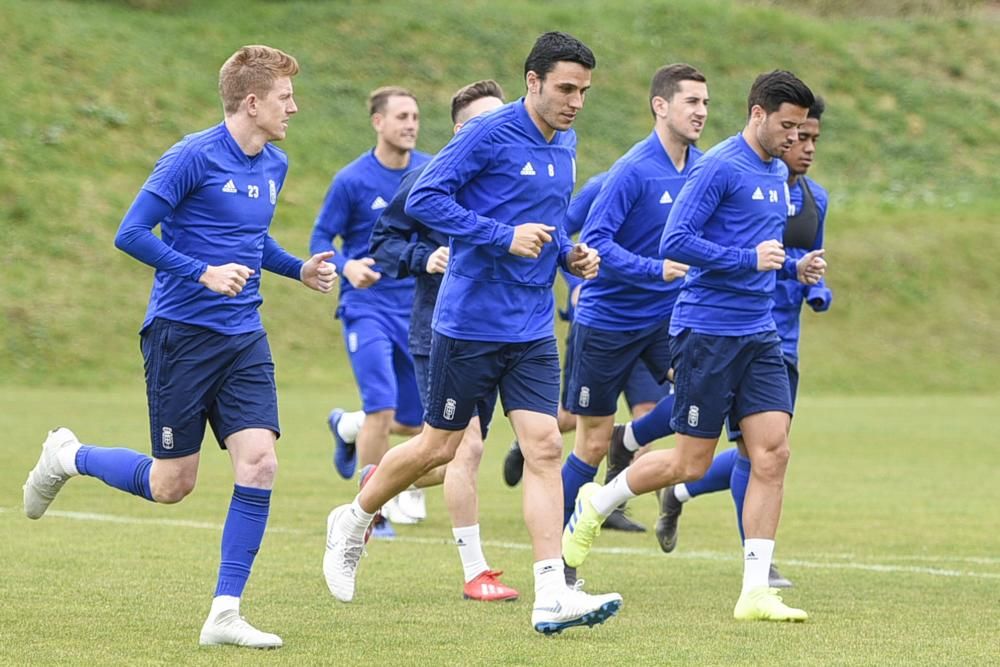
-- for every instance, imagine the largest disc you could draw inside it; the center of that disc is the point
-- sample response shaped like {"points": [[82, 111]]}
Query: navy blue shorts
{"points": [[603, 362], [464, 373], [422, 366], [379, 354], [732, 427], [641, 387], [194, 375], [726, 376]]}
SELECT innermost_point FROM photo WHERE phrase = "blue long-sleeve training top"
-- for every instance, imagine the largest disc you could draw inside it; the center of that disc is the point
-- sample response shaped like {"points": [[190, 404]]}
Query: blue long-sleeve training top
{"points": [[789, 294], [356, 197], [214, 205], [401, 246], [576, 215], [731, 202], [496, 173], [624, 225]]}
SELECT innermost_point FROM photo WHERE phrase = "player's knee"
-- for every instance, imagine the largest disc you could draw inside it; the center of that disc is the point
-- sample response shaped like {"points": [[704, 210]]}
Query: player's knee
{"points": [[773, 461], [543, 452], [379, 422], [695, 469], [439, 447], [259, 472], [172, 491], [471, 448]]}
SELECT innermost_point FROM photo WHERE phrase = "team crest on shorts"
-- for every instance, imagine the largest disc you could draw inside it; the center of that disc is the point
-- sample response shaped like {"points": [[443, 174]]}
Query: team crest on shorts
{"points": [[167, 437], [449, 409], [693, 414], [584, 400]]}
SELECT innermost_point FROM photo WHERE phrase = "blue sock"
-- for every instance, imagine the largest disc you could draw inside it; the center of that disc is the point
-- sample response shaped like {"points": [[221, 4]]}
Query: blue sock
{"points": [[121, 468], [738, 487], [717, 477], [241, 537], [656, 423], [575, 473]]}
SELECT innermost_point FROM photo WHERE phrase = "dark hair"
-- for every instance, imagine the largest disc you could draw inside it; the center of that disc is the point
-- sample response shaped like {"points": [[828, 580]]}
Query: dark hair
{"points": [[466, 95], [555, 47], [667, 81], [817, 108], [775, 88], [379, 98]]}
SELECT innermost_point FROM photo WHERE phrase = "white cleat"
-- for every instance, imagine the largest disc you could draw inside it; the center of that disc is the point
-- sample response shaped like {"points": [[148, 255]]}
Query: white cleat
{"points": [[228, 627], [395, 512], [340, 562], [573, 607], [413, 502], [48, 475]]}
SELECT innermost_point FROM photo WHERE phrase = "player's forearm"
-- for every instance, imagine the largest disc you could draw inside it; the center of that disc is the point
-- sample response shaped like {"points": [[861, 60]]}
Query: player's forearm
{"points": [[440, 212], [278, 260], [681, 245], [135, 237]]}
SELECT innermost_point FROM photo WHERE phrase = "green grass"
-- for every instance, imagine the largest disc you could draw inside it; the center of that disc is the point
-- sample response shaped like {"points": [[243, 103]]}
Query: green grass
{"points": [[889, 531], [911, 142]]}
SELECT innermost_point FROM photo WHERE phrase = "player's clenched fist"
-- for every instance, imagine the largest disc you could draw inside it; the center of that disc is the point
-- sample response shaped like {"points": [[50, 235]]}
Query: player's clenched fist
{"points": [[228, 279], [319, 274], [770, 255], [673, 270], [529, 239], [583, 261], [360, 272], [811, 267], [437, 261]]}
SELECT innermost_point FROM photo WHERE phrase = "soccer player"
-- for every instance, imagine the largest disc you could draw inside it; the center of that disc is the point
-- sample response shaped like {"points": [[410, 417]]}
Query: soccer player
{"points": [[726, 355], [804, 232], [622, 319], [206, 353], [499, 190], [374, 309], [403, 246], [641, 391]]}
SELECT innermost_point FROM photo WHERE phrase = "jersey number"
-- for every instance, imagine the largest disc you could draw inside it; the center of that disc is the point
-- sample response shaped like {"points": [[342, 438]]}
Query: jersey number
{"points": [[253, 191]]}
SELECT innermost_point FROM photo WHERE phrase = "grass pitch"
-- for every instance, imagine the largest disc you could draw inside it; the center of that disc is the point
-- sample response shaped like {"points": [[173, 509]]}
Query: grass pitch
{"points": [[889, 533]]}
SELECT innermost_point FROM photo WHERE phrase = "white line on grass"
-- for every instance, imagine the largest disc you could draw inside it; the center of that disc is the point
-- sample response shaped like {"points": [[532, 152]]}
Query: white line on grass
{"points": [[624, 551]]}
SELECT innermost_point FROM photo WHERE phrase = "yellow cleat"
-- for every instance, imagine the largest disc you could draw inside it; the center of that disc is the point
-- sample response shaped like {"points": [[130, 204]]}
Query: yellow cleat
{"points": [[764, 604], [582, 528]]}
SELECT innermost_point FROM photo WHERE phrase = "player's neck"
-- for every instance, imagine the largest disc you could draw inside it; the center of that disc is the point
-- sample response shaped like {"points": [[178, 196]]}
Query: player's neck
{"points": [[250, 139], [391, 157], [751, 138], [793, 179], [674, 146]]}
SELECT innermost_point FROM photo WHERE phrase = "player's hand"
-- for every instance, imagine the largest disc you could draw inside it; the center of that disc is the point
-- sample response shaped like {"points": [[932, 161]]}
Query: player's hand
{"points": [[360, 273], [811, 268], [583, 261], [228, 279], [770, 255], [437, 262], [319, 274], [529, 239], [673, 270]]}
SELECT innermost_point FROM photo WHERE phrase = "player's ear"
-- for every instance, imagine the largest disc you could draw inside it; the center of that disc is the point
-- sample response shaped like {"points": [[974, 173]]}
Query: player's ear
{"points": [[250, 101]]}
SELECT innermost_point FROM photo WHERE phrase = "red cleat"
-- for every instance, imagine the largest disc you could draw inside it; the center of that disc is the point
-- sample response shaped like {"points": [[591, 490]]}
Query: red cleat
{"points": [[487, 587]]}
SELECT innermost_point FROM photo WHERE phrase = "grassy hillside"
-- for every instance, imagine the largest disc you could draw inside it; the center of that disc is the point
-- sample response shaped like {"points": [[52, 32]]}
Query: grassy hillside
{"points": [[100, 89]]}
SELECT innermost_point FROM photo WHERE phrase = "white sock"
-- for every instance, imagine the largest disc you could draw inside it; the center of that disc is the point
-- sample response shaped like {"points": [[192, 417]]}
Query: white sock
{"points": [[222, 603], [356, 520], [681, 492], [470, 550], [67, 459], [550, 578], [350, 425], [757, 555], [630, 442], [611, 496]]}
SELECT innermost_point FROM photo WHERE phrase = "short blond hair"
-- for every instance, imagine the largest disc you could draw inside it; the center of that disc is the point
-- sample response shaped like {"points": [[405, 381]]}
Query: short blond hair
{"points": [[379, 98], [252, 69]]}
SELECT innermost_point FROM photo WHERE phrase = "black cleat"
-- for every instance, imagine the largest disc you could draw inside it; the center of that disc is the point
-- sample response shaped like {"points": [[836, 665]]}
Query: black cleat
{"points": [[666, 525], [776, 580], [513, 465], [619, 520], [619, 458]]}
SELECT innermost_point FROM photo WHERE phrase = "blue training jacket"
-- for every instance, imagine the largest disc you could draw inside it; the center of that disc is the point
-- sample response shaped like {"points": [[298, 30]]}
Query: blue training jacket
{"points": [[624, 225], [357, 196], [496, 173], [731, 202]]}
